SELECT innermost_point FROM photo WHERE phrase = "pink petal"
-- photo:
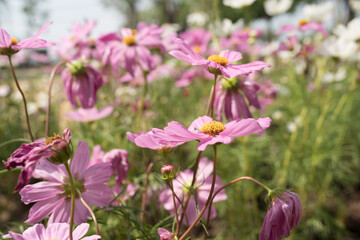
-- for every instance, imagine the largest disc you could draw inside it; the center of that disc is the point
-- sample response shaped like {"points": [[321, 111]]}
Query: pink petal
{"points": [[5, 39], [196, 125], [81, 158], [231, 56], [40, 191], [212, 140]]}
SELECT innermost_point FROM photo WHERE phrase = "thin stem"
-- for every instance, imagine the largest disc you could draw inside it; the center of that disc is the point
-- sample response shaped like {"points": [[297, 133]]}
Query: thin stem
{"points": [[210, 105], [91, 212], [52, 76], [23, 97], [71, 223], [142, 103], [173, 195], [144, 196], [212, 199]]}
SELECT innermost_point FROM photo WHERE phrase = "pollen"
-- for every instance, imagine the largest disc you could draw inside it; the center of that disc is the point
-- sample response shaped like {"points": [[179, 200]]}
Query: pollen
{"points": [[219, 60], [197, 48], [130, 40], [303, 22], [49, 140], [14, 41], [212, 128]]}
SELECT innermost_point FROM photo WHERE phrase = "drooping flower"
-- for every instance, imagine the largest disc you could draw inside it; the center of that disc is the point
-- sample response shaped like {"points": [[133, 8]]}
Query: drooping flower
{"points": [[283, 215], [202, 187], [28, 155], [210, 132], [165, 234], [89, 115], [53, 196], [82, 82], [10, 45], [59, 231], [117, 158], [217, 64]]}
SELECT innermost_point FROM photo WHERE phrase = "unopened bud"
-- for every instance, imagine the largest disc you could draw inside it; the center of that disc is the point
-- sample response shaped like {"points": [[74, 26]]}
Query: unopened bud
{"points": [[168, 171]]}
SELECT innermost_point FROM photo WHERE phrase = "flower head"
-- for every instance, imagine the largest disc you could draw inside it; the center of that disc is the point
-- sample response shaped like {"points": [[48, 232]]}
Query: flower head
{"points": [[165, 234], [303, 26], [283, 215], [89, 115], [10, 45], [52, 196], [217, 64], [59, 231]]}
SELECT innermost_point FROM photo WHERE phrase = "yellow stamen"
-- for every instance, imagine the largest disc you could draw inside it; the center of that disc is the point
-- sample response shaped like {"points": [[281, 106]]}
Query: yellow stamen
{"points": [[134, 31], [49, 140], [219, 60], [130, 40], [197, 48], [14, 41], [303, 22], [212, 128]]}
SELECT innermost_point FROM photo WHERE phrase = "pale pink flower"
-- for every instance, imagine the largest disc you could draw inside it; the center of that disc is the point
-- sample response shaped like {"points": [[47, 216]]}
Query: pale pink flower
{"points": [[202, 188], [28, 155], [9, 45], [241, 40], [149, 140], [217, 64], [132, 136], [304, 26], [210, 132], [191, 74], [90, 114], [197, 39], [283, 215], [59, 231], [165, 234], [52, 196]]}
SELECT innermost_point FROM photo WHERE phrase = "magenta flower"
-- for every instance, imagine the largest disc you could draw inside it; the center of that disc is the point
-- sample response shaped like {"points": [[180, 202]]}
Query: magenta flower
{"points": [[9, 45], [210, 132], [89, 115], [230, 98], [283, 215], [117, 158], [202, 188], [28, 155], [82, 82], [304, 25], [52, 196], [165, 234], [54, 231], [217, 64]]}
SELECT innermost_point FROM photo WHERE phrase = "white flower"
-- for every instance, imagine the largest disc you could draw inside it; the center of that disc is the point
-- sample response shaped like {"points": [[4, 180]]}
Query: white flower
{"points": [[276, 7], [318, 12], [4, 90], [351, 32], [238, 3], [339, 47], [226, 27], [355, 5], [197, 19]]}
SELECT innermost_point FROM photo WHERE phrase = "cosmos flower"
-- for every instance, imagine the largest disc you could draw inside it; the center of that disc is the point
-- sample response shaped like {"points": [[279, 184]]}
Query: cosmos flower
{"points": [[165, 234], [90, 114], [303, 26], [10, 45], [210, 132], [283, 215], [52, 196], [202, 188], [58, 231], [217, 64]]}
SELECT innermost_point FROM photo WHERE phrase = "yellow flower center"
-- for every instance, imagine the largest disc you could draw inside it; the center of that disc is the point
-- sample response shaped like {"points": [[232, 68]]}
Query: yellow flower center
{"points": [[212, 128], [219, 60], [303, 22], [197, 48], [130, 40], [134, 31], [14, 41], [49, 140]]}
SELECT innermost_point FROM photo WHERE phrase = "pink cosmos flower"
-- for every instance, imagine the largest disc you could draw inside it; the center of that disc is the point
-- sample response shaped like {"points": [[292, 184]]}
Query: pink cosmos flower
{"points": [[82, 82], [117, 158], [165, 234], [197, 39], [28, 155], [52, 196], [202, 188], [230, 100], [58, 231], [283, 215], [210, 132], [132, 136], [217, 64], [191, 74], [149, 140], [89, 115], [304, 26], [9, 45], [241, 40]]}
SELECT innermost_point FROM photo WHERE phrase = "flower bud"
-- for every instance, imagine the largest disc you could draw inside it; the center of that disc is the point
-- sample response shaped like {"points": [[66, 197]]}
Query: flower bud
{"points": [[61, 148], [168, 171]]}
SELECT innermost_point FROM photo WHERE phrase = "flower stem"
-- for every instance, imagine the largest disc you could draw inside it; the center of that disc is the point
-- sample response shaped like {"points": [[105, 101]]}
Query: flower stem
{"points": [[173, 196], [142, 103], [23, 97], [52, 75], [71, 222], [91, 212], [144, 196], [210, 105]]}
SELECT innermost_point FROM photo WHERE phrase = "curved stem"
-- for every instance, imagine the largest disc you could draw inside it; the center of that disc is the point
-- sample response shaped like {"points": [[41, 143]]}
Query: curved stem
{"points": [[212, 199], [52, 76], [91, 212], [71, 222], [144, 196], [23, 97]]}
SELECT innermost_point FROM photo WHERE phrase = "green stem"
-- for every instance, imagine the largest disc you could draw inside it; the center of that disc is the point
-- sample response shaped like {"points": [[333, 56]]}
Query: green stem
{"points": [[91, 212], [14, 140], [173, 196], [210, 106], [23, 97], [144, 196], [71, 222]]}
